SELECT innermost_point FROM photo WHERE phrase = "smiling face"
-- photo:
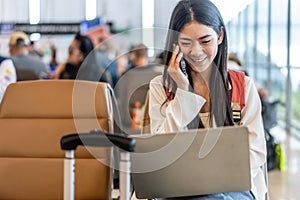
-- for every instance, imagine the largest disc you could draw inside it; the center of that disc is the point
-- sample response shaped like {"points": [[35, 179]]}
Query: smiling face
{"points": [[199, 45]]}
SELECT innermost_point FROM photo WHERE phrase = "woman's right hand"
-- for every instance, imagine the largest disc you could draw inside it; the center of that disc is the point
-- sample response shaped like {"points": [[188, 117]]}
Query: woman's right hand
{"points": [[175, 72], [52, 75], [59, 69]]}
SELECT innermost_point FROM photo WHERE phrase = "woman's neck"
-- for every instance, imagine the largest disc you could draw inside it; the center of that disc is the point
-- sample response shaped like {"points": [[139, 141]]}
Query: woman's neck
{"points": [[201, 87], [201, 77]]}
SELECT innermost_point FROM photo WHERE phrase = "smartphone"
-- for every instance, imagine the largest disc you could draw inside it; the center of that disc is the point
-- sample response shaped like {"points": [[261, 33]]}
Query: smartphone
{"points": [[183, 66]]}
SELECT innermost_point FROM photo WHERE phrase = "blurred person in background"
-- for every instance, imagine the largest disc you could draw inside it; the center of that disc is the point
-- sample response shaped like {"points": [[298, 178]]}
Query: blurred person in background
{"points": [[78, 50], [132, 87], [234, 63], [22, 60], [106, 57], [137, 56], [82, 62]]}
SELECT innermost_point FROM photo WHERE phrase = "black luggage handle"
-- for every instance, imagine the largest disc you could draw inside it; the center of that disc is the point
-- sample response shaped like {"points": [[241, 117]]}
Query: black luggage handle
{"points": [[97, 139]]}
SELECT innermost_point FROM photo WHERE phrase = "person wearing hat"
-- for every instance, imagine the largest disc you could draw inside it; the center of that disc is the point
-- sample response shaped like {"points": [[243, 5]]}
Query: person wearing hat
{"points": [[18, 49]]}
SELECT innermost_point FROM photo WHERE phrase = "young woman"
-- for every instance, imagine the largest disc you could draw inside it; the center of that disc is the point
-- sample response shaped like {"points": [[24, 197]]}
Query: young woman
{"points": [[195, 89], [79, 49], [84, 63]]}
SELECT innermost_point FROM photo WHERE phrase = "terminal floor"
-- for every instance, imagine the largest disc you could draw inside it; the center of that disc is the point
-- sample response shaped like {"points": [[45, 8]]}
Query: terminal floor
{"points": [[285, 185]]}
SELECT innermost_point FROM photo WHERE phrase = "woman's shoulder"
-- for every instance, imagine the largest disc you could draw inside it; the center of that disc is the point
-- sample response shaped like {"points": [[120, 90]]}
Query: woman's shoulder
{"points": [[249, 81]]}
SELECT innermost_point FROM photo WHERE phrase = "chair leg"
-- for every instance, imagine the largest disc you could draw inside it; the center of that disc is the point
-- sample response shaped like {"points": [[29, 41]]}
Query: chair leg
{"points": [[69, 180], [124, 176]]}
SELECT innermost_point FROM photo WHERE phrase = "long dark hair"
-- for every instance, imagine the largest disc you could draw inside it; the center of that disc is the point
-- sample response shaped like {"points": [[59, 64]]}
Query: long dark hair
{"points": [[73, 71], [86, 44], [206, 13]]}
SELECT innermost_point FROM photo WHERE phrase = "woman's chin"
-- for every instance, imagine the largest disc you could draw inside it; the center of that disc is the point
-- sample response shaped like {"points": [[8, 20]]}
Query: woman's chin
{"points": [[199, 67]]}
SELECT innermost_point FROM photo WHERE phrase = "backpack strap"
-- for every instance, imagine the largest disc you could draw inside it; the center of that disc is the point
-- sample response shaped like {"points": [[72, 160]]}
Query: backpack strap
{"points": [[2, 59], [238, 94]]}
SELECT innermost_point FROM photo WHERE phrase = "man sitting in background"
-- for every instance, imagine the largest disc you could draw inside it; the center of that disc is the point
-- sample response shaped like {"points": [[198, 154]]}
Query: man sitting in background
{"points": [[18, 49], [132, 87]]}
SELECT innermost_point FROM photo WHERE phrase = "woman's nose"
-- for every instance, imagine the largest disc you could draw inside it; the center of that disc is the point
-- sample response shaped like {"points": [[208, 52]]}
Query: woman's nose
{"points": [[196, 50]]}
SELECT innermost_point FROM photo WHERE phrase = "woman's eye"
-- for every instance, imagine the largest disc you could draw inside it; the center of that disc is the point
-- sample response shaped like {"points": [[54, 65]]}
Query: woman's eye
{"points": [[186, 44], [206, 42]]}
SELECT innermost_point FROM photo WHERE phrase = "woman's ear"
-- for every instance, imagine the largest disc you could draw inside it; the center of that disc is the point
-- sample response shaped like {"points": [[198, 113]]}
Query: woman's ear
{"points": [[81, 57], [221, 35]]}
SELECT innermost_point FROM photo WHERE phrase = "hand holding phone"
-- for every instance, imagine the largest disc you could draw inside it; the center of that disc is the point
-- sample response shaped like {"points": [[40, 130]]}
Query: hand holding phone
{"points": [[177, 69]]}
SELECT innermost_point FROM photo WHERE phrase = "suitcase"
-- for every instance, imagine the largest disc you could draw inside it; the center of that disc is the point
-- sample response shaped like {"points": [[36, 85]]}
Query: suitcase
{"points": [[69, 144]]}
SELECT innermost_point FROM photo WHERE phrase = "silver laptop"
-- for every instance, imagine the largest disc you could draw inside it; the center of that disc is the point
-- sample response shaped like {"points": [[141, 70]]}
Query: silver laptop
{"points": [[195, 162]]}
